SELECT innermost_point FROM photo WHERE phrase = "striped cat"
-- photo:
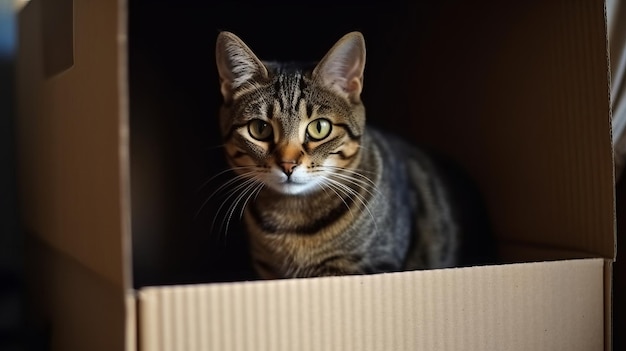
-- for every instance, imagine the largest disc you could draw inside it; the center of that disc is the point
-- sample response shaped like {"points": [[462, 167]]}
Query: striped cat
{"points": [[324, 194]]}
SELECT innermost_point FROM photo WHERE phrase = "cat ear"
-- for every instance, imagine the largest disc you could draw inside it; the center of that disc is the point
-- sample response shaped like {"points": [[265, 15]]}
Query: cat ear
{"points": [[236, 64], [342, 67]]}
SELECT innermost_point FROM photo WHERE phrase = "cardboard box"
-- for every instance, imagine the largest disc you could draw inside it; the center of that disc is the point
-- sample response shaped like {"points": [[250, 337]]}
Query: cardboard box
{"points": [[116, 98]]}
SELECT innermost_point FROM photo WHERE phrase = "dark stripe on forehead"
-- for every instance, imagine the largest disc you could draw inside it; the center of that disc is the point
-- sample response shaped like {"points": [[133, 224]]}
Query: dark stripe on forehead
{"points": [[293, 92], [303, 87], [309, 110], [277, 93], [290, 91], [299, 91], [269, 113]]}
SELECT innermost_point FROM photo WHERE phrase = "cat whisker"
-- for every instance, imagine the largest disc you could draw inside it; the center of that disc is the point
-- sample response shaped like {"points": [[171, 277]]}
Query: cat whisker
{"points": [[212, 178], [246, 192], [254, 192], [322, 186], [330, 186], [360, 146], [361, 172], [361, 181], [349, 191], [365, 185], [235, 192], [222, 187], [352, 171]]}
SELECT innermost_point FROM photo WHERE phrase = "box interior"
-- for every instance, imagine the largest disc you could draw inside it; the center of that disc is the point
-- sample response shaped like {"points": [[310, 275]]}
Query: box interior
{"points": [[483, 84]]}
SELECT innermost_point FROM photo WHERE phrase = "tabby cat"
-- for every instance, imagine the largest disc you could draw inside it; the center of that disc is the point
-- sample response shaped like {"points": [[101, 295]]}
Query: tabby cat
{"points": [[324, 194]]}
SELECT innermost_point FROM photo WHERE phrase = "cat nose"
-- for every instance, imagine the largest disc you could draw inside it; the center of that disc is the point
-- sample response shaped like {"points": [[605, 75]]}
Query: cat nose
{"points": [[288, 166]]}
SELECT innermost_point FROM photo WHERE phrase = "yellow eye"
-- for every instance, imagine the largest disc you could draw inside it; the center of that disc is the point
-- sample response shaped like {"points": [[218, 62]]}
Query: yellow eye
{"points": [[260, 130], [319, 129]]}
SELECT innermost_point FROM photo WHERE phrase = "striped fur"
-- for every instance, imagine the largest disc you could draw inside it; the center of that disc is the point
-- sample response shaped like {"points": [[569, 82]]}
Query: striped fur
{"points": [[350, 202]]}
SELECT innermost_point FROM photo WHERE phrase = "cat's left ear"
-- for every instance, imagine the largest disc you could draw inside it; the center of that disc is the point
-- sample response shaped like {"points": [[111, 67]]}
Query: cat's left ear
{"points": [[236, 64], [342, 67]]}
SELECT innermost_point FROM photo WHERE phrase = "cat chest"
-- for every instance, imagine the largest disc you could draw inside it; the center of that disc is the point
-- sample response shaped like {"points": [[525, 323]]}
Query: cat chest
{"points": [[284, 237]]}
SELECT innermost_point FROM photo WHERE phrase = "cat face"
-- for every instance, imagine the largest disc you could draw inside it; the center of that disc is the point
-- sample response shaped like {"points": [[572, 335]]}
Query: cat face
{"points": [[290, 127]]}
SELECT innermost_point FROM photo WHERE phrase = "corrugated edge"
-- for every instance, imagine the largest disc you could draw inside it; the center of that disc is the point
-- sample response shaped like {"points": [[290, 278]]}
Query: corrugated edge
{"points": [[124, 159], [608, 305], [531, 306], [130, 328]]}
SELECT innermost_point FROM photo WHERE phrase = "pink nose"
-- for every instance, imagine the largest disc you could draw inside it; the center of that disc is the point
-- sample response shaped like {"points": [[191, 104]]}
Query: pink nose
{"points": [[288, 166]]}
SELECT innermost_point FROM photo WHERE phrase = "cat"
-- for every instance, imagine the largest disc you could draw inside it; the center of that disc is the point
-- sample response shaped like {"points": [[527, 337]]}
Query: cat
{"points": [[324, 193]]}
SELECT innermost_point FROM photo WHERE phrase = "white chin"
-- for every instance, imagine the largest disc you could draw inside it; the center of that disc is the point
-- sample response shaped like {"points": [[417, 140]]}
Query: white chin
{"points": [[293, 188]]}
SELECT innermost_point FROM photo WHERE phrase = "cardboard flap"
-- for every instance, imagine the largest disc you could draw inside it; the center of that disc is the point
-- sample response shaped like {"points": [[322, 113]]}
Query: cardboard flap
{"points": [[72, 133], [537, 306]]}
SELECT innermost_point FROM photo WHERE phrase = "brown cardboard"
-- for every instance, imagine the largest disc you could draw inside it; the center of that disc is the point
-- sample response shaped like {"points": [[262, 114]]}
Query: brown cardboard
{"points": [[534, 103], [84, 307], [530, 307], [531, 119], [72, 139]]}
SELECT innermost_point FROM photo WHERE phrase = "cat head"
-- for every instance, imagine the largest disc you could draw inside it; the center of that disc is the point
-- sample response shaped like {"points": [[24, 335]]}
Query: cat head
{"points": [[292, 127]]}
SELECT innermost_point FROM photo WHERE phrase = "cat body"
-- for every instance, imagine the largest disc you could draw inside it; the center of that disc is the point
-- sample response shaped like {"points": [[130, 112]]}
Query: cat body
{"points": [[324, 194]]}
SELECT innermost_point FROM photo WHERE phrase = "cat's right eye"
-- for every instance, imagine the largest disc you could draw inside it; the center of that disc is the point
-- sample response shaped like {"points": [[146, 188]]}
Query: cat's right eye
{"points": [[260, 130]]}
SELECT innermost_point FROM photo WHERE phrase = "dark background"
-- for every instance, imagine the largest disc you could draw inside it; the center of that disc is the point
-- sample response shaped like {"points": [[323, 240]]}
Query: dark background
{"points": [[174, 103]]}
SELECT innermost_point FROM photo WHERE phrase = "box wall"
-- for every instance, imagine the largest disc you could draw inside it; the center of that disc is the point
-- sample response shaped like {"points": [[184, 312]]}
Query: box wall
{"points": [[80, 309], [519, 96], [538, 306], [71, 144], [70, 139]]}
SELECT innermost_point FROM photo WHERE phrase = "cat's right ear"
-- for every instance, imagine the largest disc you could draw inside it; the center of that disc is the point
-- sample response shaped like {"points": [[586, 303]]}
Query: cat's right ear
{"points": [[236, 64], [342, 67]]}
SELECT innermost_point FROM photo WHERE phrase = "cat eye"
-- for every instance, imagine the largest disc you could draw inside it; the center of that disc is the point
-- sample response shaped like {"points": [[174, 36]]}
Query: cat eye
{"points": [[259, 129], [319, 129]]}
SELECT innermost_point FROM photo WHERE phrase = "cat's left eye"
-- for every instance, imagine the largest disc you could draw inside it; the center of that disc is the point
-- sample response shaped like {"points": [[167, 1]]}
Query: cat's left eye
{"points": [[260, 130], [319, 129]]}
